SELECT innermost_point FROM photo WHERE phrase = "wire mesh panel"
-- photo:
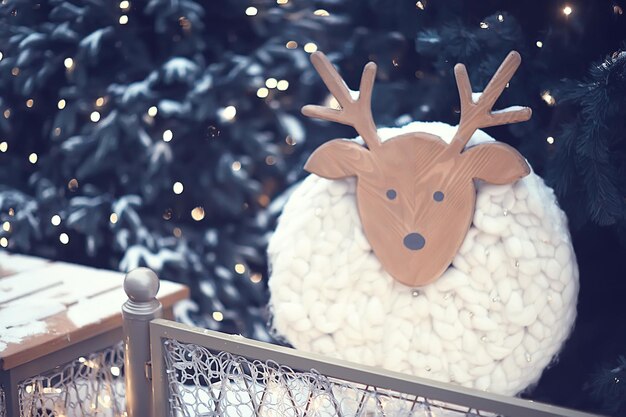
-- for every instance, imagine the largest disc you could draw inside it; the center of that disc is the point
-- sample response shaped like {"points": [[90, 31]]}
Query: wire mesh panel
{"points": [[91, 386], [207, 383], [201, 373]]}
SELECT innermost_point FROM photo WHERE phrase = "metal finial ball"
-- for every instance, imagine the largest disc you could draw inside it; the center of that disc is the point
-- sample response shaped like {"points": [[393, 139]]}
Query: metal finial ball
{"points": [[141, 285]]}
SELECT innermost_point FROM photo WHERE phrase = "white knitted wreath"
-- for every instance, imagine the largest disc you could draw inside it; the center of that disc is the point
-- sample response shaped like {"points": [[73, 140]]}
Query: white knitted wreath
{"points": [[493, 321]]}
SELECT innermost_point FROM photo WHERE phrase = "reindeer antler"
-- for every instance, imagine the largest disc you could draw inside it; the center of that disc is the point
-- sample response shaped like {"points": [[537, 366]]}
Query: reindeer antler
{"points": [[356, 113], [478, 114]]}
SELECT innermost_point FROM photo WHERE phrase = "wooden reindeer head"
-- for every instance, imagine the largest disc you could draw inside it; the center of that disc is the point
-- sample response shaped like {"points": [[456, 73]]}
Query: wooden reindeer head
{"points": [[415, 193]]}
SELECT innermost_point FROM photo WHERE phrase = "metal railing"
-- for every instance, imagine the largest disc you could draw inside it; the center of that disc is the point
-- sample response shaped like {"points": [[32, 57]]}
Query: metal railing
{"points": [[179, 370]]}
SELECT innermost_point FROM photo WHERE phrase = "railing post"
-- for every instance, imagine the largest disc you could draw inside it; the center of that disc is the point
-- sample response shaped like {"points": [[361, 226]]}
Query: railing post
{"points": [[141, 286]]}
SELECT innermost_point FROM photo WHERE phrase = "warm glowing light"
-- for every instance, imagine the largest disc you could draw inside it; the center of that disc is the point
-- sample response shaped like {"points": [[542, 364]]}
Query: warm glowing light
{"points": [[4, 146], [152, 111], [567, 10], [282, 85], [251, 11], [228, 112], [72, 185], [68, 62], [500, 18], [113, 218], [7, 113], [547, 97], [1, 56], [236, 166], [15, 71], [271, 83], [124, 4], [310, 47], [178, 187], [123, 19], [270, 160], [168, 135], [218, 316], [240, 268], [282, 1], [197, 213], [4, 242], [94, 116], [177, 232], [57, 131], [64, 238], [32, 158], [55, 220], [484, 25], [291, 45], [321, 12], [256, 277], [100, 101], [115, 371], [262, 92], [539, 44], [6, 226], [550, 140], [61, 104], [30, 103]]}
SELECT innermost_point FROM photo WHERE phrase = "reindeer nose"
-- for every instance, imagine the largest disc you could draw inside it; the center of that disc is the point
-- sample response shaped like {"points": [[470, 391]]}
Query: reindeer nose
{"points": [[414, 241]]}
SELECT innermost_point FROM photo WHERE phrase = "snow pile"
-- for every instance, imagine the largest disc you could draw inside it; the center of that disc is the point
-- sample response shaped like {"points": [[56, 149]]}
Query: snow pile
{"points": [[493, 321]]}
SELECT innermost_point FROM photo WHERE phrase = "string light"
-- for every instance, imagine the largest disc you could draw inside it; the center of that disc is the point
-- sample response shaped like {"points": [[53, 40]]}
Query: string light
{"points": [[282, 85], [567, 10], [15, 71], [94, 116], [271, 83], [539, 44], [115, 371], [72, 185], [177, 232], [262, 92], [4, 242], [256, 277], [30, 103], [68, 62], [218, 316], [282, 1], [500, 18], [113, 218], [321, 13], [197, 213], [61, 104], [55, 220], [420, 5], [616, 9], [228, 113], [124, 4], [236, 166], [550, 140], [100, 101], [123, 19], [152, 111], [57, 131], [291, 45], [168, 135], [4, 146], [547, 97], [1, 56], [310, 47], [178, 187], [7, 113], [64, 238], [251, 11], [484, 25], [240, 268], [270, 160], [32, 158], [6, 226]]}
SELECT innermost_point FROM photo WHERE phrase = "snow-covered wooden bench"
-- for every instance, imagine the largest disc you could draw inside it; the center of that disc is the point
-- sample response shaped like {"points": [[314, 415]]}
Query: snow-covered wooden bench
{"points": [[55, 313]]}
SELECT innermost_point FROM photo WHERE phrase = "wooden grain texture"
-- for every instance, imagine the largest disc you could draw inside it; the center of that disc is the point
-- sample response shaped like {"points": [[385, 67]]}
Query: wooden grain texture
{"points": [[90, 299], [416, 193]]}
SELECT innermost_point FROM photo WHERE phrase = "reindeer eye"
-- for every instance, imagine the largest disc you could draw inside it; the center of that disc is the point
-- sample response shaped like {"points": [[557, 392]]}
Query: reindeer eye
{"points": [[391, 194], [438, 196]]}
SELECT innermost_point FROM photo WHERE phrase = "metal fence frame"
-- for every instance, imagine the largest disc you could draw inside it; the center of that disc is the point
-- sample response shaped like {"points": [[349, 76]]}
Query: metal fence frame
{"points": [[302, 361]]}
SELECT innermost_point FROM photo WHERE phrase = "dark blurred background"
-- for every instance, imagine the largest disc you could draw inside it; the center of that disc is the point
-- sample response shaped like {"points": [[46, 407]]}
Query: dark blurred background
{"points": [[166, 133]]}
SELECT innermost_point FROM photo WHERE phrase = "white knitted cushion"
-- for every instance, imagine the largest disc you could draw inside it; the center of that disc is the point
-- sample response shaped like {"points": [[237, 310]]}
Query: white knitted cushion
{"points": [[493, 321]]}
